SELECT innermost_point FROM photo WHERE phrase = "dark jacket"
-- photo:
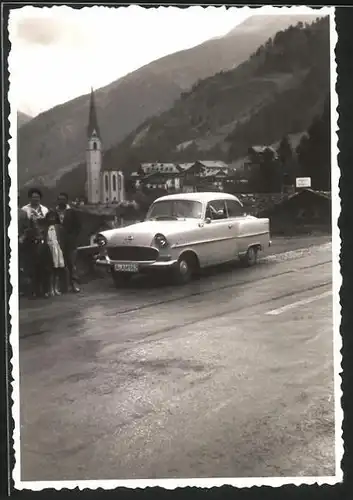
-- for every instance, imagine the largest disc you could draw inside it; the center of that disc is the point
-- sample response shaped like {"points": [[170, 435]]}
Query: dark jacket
{"points": [[23, 224], [71, 226], [34, 231]]}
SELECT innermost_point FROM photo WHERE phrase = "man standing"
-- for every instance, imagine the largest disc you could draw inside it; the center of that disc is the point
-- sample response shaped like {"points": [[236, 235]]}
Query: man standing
{"points": [[71, 227]]}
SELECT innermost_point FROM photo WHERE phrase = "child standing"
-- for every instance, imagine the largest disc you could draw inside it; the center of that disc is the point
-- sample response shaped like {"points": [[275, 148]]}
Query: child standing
{"points": [[54, 242]]}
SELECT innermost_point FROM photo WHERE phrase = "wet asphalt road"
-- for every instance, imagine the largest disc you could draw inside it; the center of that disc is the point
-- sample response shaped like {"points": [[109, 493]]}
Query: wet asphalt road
{"points": [[231, 375]]}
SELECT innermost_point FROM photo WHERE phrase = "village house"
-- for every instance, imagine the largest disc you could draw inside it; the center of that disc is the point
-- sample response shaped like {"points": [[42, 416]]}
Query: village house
{"points": [[259, 154], [158, 176], [174, 177]]}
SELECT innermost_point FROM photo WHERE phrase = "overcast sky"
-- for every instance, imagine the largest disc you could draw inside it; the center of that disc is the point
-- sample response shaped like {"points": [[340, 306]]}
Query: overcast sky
{"points": [[58, 53]]}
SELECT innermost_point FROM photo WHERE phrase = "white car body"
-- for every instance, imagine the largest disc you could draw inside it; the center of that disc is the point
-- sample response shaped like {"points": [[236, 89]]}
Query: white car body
{"points": [[217, 232]]}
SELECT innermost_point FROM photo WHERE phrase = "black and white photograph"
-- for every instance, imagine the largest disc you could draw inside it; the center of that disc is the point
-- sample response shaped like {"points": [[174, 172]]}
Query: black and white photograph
{"points": [[175, 248]]}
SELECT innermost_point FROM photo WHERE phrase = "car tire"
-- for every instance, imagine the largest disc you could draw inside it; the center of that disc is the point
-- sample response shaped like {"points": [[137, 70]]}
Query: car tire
{"points": [[121, 280], [183, 270], [250, 258]]}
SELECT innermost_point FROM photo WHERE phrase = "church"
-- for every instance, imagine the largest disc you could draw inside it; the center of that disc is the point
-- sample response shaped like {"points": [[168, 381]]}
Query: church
{"points": [[104, 184]]}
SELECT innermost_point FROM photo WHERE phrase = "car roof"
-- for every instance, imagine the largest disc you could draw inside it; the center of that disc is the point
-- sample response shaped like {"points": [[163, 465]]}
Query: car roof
{"points": [[202, 197]]}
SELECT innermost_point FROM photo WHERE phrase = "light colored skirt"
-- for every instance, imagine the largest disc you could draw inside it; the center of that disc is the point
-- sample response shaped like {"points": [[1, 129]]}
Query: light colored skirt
{"points": [[57, 255]]}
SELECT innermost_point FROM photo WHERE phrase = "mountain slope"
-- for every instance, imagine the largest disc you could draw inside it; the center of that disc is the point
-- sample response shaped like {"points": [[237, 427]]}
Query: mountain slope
{"points": [[54, 142], [22, 119], [276, 92]]}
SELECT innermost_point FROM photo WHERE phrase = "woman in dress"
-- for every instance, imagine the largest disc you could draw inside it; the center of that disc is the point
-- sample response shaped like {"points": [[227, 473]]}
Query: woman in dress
{"points": [[33, 242]]}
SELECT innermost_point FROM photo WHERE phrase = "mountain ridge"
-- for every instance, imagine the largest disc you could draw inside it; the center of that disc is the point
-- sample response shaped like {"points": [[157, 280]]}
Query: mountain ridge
{"points": [[23, 119]]}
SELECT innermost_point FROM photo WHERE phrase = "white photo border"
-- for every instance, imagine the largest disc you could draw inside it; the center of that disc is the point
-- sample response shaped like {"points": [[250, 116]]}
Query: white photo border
{"points": [[337, 281]]}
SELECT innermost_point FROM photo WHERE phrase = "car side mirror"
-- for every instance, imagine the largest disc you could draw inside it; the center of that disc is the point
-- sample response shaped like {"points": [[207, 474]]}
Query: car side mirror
{"points": [[208, 220]]}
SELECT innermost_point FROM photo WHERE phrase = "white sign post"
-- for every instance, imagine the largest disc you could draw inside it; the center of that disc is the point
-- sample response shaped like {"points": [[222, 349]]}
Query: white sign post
{"points": [[303, 182]]}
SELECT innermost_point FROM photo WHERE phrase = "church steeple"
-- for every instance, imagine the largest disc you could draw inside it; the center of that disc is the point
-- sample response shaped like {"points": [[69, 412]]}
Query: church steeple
{"points": [[93, 127]]}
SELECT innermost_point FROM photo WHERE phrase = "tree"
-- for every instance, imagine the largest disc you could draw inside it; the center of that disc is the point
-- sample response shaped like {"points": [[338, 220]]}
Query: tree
{"points": [[265, 172], [314, 150], [285, 152], [129, 185], [285, 156]]}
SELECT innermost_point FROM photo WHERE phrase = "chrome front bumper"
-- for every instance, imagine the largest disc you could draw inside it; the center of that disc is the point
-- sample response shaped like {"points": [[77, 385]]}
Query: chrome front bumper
{"points": [[142, 264]]}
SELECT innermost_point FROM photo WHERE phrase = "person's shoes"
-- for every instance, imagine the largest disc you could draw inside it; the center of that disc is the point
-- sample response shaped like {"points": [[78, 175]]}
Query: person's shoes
{"points": [[75, 289], [57, 292]]}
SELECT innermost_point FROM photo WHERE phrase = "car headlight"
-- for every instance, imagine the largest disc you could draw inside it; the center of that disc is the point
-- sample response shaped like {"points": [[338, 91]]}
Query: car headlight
{"points": [[100, 240], [161, 240]]}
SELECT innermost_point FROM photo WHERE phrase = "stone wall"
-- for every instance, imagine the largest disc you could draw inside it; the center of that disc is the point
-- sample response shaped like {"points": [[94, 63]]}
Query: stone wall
{"points": [[257, 203]]}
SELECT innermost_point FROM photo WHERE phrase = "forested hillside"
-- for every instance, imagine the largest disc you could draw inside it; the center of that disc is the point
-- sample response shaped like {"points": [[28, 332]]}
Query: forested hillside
{"points": [[278, 91], [22, 119]]}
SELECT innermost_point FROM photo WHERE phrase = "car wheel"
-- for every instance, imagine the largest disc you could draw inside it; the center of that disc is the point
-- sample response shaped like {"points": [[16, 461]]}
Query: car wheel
{"points": [[250, 258], [121, 280], [183, 270]]}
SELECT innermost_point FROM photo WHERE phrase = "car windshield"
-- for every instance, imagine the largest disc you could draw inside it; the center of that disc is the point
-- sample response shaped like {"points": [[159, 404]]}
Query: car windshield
{"points": [[175, 209]]}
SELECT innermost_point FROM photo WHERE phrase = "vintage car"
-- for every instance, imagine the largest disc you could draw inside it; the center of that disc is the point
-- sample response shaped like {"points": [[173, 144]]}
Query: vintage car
{"points": [[183, 233]]}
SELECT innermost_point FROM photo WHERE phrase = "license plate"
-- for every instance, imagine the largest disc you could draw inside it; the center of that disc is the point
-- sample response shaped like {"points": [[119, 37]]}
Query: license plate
{"points": [[126, 268]]}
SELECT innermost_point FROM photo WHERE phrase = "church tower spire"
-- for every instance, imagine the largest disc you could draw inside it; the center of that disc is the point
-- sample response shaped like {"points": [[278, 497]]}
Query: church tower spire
{"points": [[93, 155], [93, 127]]}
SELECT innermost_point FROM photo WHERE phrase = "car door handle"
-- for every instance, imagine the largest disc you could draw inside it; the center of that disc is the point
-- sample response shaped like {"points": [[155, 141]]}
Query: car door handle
{"points": [[230, 226]]}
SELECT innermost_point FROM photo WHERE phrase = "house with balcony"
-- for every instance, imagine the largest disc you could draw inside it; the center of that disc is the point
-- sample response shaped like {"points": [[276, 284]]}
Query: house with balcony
{"points": [[205, 175], [165, 176], [187, 177]]}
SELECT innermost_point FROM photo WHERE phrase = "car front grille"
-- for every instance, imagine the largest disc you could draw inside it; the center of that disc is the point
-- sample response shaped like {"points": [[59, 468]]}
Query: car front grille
{"points": [[132, 253]]}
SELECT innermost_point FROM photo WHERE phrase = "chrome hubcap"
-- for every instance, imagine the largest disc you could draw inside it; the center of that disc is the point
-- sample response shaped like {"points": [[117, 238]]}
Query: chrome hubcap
{"points": [[183, 266]]}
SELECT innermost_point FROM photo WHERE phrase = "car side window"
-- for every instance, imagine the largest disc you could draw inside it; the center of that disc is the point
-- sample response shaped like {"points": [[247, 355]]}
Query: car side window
{"points": [[234, 208], [216, 210]]}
